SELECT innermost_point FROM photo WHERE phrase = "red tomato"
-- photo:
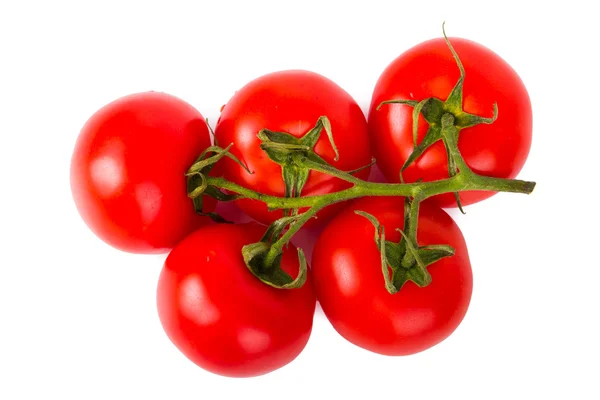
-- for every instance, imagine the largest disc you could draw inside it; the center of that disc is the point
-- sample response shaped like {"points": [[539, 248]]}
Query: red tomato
{"points": [[429, 70], [291, 101], [220, 315], [127, 171], [346, 267]]}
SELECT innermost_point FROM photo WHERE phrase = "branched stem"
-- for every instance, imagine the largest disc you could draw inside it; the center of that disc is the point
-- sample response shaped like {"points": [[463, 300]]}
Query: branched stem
{"points": [[464, 180], [297, 160]]}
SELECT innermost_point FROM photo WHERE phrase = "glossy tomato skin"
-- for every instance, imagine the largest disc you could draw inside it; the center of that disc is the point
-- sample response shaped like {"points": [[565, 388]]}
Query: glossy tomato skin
{"points": [[291, 101], [429, 70], [127, 171], [221, 316], [346, 267]]}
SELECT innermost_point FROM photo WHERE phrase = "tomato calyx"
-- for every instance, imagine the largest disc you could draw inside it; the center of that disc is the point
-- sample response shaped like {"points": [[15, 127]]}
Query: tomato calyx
{"points": [[263, 258], [407, 260], [288, 151], [198, 184], [433, 111]]}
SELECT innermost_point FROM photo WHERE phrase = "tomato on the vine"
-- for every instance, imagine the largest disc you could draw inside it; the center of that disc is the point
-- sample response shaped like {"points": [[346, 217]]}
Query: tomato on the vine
{"points": [[128, 171], [220, 315], [429, 70], [292, 102], [347, 272]]}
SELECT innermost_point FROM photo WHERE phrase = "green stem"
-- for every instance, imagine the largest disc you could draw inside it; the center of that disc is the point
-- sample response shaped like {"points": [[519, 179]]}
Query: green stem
{"points": [[277, 246], [464, 180], [450, 135], [263, 258], [413, 220], [411, 223], [297, 158], [329, 170]]}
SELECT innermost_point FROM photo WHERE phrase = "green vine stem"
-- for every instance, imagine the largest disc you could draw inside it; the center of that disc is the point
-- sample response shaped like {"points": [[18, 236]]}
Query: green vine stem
{"points": [[407, 260], [464, 180]]}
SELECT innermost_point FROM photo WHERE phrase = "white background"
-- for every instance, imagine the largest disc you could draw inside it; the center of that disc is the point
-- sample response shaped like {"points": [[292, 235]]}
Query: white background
{"points": [[78, 319]]}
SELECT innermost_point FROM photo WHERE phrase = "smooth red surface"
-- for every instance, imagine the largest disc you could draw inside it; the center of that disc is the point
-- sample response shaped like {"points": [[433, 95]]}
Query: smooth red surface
{"points": [[429, 70], [127, 171], [346, 267], [221, 316], [291, 101]]}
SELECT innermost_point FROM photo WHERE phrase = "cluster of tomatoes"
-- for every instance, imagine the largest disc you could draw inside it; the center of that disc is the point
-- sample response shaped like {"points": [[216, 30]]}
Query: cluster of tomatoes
{"points": [[127, 179]]}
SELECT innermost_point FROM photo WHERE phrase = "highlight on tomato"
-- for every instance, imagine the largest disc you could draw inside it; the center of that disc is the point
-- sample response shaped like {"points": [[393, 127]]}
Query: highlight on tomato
{"points": [[357, 298], [292, 102], [221, 316], [128, 171]]}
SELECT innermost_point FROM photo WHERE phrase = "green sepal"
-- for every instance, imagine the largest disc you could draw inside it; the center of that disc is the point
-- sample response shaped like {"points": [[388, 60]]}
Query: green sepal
{"points": [[217, 194], [415, 117], [433, 110], [466, 120], [433, 135], [289, 151], [393, 255], [383, 245], [419, 276], [384, 248], [269, 270], [279, 146], [454, 102], [276, 228], [254, 256], [311, 137], [205, 162], [411, 103], [197, 201], [197, 184], [417, 272], [267, 136], [374, 221], [432, 253]]}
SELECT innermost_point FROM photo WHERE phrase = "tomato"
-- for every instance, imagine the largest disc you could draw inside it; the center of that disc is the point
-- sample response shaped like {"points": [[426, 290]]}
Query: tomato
{"points": [[346, 268], [291, 102], [429, 70], [220, 315], [127, 171]]}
